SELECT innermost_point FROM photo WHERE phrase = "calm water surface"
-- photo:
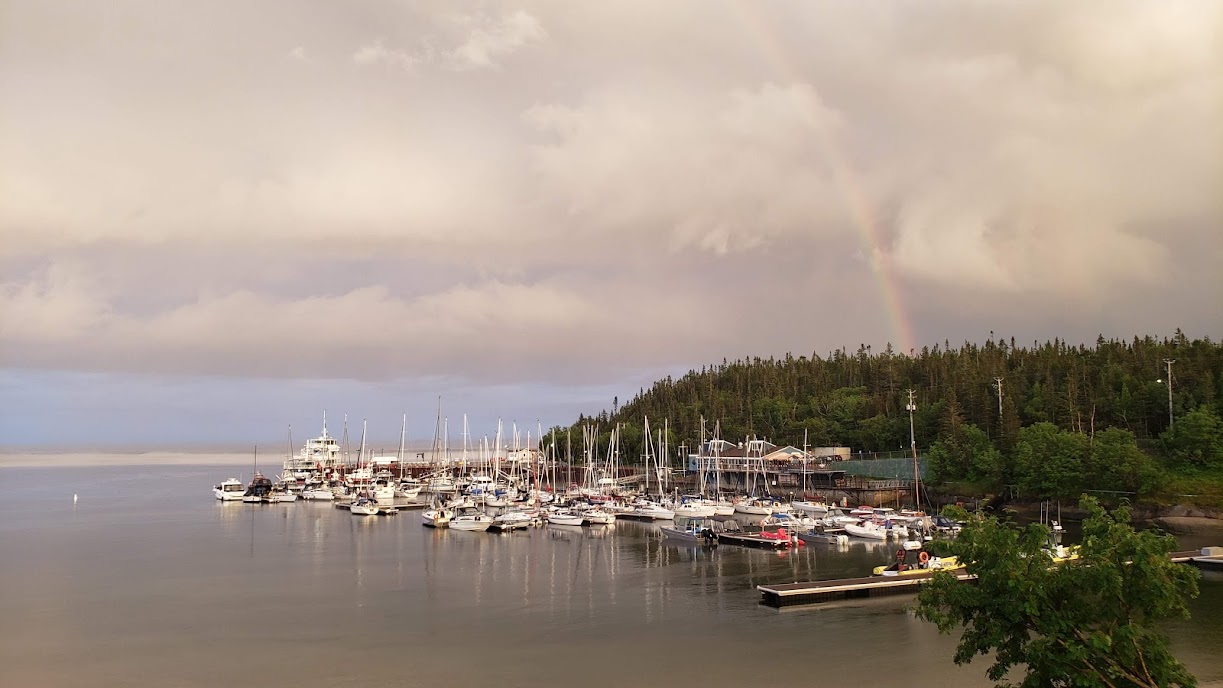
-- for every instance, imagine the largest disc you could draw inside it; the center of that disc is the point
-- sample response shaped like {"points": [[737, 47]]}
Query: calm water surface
{"points": [[149, 581]]}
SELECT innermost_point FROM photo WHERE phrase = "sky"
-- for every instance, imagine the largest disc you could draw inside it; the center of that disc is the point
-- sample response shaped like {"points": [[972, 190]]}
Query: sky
{"points": [[220, 219]]}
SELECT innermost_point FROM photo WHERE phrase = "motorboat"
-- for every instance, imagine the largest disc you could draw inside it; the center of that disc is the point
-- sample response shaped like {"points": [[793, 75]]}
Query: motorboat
{"points": [[870, 530], [767, 536], [318, 493], [597, 517], [436, 517], [364, 506], [912, 559], [694, 507], [383, 489], [472, 520], [699, 530], [757, 507], [230, 490], [824, 536], [515, 519], [279, 495], [259, 490], [565, 517], [812, 509], [408, 488], [652, 511]]}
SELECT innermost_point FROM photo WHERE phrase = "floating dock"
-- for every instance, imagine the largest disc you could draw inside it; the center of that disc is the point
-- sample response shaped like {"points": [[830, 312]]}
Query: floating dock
{"points": [[786, 594]]}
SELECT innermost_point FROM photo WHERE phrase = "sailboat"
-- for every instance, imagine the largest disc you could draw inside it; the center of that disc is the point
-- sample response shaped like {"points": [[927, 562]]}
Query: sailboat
{"points": [[260, 487]]}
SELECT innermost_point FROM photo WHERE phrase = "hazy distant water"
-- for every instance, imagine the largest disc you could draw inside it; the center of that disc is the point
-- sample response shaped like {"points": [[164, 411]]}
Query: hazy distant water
{"points": [[149, 581]]}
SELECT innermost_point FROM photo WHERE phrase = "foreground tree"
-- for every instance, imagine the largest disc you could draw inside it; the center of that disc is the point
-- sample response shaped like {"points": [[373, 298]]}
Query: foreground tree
{"points": [[1089, 622]]}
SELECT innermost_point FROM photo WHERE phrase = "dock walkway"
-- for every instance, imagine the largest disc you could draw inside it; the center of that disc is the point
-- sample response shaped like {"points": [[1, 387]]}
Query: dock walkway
{"points": [[786, 594]]}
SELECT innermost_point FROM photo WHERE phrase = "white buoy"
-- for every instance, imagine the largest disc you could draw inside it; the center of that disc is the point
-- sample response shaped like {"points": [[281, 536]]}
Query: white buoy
{"points": [[74, 498]]}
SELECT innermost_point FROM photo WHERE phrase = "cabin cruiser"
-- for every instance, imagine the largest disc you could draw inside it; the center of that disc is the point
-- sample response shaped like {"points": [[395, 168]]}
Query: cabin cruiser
{"points": [[436, 516], [565, 518], [695, 507], [699, 530], [259, 490], [812, 509], [597, 517], [229, 491], [471, 519], [758, 506]]}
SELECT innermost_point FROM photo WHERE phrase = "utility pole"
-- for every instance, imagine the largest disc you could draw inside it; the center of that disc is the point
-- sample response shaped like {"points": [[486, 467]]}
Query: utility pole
{"points": [[1169, 361], [998, 382], [912, 406]]}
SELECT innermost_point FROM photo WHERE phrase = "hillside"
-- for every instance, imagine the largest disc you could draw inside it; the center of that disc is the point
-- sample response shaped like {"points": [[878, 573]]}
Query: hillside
{"points": [[859, 399]]}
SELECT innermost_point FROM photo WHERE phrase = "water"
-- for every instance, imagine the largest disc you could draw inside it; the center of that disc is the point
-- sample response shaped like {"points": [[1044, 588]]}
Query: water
{"points": [[149, 581]]}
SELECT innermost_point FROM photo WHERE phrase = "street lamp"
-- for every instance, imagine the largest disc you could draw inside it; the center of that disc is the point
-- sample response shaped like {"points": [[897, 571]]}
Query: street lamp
{"points": [[1169, 361], [911, 407]]}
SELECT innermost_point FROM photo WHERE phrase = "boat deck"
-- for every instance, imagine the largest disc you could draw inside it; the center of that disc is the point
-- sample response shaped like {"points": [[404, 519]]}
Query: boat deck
{"points": [[751, 540]]}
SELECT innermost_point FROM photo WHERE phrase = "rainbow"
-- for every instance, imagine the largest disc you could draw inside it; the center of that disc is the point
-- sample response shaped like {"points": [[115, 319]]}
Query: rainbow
{"points": [[770, 46]]}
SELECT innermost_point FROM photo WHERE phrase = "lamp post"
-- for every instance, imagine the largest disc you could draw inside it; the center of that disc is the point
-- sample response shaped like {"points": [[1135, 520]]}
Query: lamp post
{"points": [[1169, 361], [911, 406]]}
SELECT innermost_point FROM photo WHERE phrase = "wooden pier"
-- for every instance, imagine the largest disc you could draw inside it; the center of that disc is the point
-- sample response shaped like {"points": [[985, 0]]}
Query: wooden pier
{"points": [[811, 592]]}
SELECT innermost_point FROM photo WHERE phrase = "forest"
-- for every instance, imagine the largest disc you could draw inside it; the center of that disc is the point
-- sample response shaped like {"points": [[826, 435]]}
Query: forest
{"points": [[1042, 419]]}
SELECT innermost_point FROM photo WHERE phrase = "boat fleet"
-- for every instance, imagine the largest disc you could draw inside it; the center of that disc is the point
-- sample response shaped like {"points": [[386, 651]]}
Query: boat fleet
{"points": [[501, 493]]}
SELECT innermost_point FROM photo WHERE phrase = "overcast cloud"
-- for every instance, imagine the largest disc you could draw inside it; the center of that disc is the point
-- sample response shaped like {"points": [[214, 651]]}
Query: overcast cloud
{"points": [[557, 200]]}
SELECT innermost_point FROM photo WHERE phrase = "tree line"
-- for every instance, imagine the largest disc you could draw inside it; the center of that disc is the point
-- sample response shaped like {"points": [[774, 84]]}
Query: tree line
{"points": [[1051, 418]]}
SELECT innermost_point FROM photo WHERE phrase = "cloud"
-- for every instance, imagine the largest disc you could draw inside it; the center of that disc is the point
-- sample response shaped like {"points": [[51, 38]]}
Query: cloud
{"points": [[565, 192], [378, 54], [492, 38]]}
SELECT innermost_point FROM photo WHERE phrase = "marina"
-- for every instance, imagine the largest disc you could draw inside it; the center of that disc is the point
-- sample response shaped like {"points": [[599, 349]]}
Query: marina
{"points": [[149, 570]]}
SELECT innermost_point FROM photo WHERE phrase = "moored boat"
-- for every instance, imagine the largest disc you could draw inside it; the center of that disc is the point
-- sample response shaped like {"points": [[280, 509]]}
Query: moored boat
{"points": [[230, 490]]}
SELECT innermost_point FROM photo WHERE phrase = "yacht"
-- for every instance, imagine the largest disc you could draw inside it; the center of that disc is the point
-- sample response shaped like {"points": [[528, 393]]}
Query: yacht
{"points": [[319, 456], [813, 509], [229, 491], [695, 507], [436, 517], [698, 530], [471, 519], [364, 506], [259, 490], [565, 518]]}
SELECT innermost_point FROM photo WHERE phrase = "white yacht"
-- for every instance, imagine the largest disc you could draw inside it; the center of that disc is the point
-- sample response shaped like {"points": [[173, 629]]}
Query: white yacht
{"points": [[229, 491], [597, 517], [364, 506], [384, 489], [694, 507], [565, 518], [318, 493], [812, 509], [319, 456], [472, 520], [436, 517], [757, 507]]}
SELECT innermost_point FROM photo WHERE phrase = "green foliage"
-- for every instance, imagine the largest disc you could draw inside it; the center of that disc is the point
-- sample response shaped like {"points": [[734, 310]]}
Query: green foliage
{"points": [[1049, 462], [1116, 463], [857, 399], [1196, 439], [965, 454], [1089, 622]]}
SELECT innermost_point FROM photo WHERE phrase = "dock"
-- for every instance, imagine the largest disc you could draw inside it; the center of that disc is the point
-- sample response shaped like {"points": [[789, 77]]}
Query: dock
{"points": [[811, 592]]}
